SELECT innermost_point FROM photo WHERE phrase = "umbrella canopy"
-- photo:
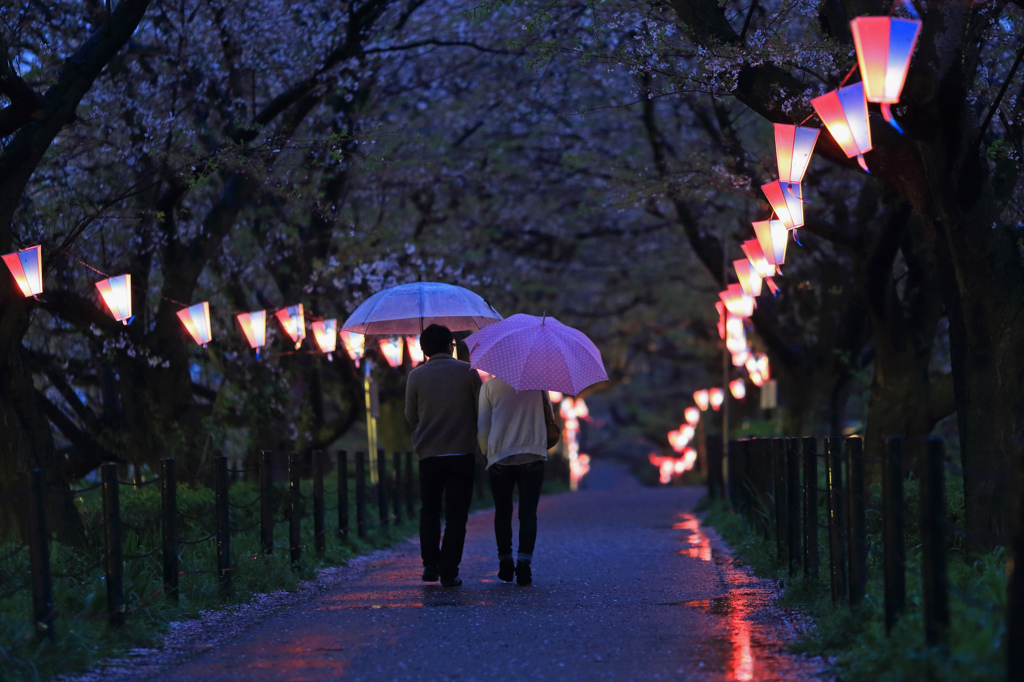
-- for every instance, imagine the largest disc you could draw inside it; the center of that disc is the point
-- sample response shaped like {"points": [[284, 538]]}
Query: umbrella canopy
{"points": [[410, 308], [530, 353]]}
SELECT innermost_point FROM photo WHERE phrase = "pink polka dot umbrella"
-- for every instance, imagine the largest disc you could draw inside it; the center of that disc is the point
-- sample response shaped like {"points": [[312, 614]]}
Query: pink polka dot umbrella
{"points": [[537, 353]]}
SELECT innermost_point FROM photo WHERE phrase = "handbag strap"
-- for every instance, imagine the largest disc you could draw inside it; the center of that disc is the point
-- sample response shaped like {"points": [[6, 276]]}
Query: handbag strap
{"points": [[549, 416]]}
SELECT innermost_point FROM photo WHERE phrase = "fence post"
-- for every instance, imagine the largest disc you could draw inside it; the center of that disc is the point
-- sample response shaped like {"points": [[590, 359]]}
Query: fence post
{"points": [[731, 475], [114, 559], [892, 532], [382, 489], [266, 502], [836, 521], [810, 455], [935, 580], [361, 494], [748, 479], [319, 536], [857, 534], [777, 451], [411, 480], [223, 517], [396, 487], [169, 527], [792, 454], [39, 557], [714, 464], [343, 495], [294, 509], [1015, 588], [762, 456]]}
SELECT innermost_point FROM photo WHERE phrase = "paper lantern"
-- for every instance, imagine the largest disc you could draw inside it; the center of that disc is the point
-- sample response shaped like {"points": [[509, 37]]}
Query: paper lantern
{"points": [[117, 294], [762, 366], [691, 415], [750, 281], [845, 113], [772, 237], [736, 302], [717, 395], [415, 352], [555, 397], [353, 344], [738, 388], [884, 48], [582, 411], [793, 147], [786, 199], [27, 267], [676, 441], [196, 319], [254, 326], [702, 398], [325, 332], [293, 322], [739, 359], [392, 349], [687, 431], [720, 307]]}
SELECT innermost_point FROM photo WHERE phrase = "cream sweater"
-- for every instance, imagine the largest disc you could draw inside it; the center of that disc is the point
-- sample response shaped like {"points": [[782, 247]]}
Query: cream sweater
{"points": [[510, 422]]}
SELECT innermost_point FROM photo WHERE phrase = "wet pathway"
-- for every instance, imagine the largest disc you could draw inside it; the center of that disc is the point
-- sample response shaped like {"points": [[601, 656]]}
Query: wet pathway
{"points": [[627, 586]]}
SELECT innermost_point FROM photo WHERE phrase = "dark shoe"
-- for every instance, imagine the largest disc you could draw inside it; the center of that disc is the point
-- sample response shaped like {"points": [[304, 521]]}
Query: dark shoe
{"points": [[430, 574], [524, 576], [506, 570], [451, 582]]}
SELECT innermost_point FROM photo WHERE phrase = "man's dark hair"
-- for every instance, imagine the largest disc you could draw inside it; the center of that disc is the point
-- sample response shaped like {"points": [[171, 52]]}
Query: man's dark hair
{"points": [[436, 339]]}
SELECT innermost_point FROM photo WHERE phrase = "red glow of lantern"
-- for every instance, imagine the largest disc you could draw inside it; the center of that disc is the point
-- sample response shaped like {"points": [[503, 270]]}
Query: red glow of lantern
{"points": [[117, 294], [196, 319], [415, 352], [293, 322], [717, 396], [884, 46], [787, 202], [392, 349], [793, 147], [845, 113], [740, 358], [738, 388], [254, 326], [772, 237], [750, 281], [353, 344], [702, 399], [762, 366], [692, 415], [737, 302], [555, 397], [752, 250], [26, 266], [326, 335]]}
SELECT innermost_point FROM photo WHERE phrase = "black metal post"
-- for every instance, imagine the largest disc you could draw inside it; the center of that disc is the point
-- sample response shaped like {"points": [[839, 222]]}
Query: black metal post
{"points": [[294, 509], [762, 455], [732, 474], [114, 559], [857, 523], [1015, 587], [892, 532], [810, 455], [396, 487], [361, 494], [319, 534], [935, 579], [39, 557], [411, 486], [382, 489], [792, 455], [837, 541], [777, 451], [169, 527], [222, 513], [343, 494], [266, 502]]}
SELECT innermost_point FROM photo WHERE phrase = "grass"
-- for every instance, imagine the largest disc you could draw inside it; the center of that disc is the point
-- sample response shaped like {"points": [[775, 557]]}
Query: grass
{"points": [[83, 639], [854, 638]]}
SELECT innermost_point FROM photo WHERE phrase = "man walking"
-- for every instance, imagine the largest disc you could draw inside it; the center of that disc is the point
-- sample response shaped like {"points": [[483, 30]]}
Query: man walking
{"points": [[441, 405]]}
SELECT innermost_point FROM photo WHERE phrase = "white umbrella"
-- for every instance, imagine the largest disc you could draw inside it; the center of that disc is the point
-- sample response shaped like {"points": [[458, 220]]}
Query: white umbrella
{"points": [[410, 308]]}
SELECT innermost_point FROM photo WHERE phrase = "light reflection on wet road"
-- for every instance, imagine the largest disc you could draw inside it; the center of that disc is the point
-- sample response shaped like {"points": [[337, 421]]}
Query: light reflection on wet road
{"points": [[629, 586]]}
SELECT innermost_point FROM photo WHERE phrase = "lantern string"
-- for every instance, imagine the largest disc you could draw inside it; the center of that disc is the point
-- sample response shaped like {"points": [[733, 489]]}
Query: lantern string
{"points": [[849, 73], [106, 276]]}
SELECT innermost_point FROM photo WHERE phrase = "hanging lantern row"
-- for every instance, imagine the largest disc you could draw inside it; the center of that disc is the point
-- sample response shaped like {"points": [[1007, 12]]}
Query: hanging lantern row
{"points": [[196, 319], [27, 268]]}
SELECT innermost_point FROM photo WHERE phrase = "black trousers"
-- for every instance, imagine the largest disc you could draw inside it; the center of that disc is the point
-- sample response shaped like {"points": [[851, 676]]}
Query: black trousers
{"points": [[449, 479], [529, 478]]}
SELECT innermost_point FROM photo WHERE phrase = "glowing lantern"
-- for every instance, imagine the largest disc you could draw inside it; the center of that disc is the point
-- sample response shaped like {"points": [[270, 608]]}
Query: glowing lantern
{"points": [[740, 358], [326, 335], [737, 302], [702, 398], [845, 113], [293, 322], [117, 294], [415, 352], [793, 147], [254, 326], [676, 440], [689, 458], [738, 388], [582, 411], [752, 250], [687, 432], [353, 344], [555, 397], [762, 366], [750, 281], [884, 48], [26, 266], [720, 307], [717, 396], [692, 415], [196, 319], [786, 199], [392, 349], [772, 237]]}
